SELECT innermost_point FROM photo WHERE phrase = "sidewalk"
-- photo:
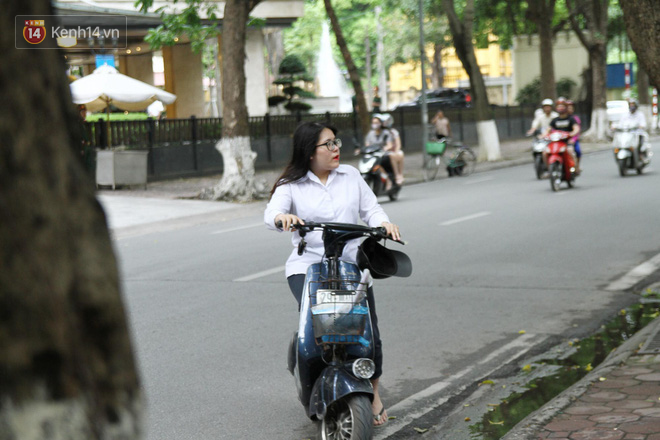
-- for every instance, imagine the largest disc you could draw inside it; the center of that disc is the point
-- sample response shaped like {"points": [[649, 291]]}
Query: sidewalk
{"points": [[618, 400], [514, 152]]}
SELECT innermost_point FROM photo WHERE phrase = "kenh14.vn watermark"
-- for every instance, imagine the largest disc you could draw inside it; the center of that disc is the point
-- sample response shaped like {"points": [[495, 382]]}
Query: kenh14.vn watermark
{"points": [[71, 31]]}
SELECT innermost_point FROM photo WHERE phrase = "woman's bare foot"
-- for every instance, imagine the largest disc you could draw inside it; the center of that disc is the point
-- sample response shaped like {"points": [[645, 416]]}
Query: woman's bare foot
{"points": [[377, 407]]}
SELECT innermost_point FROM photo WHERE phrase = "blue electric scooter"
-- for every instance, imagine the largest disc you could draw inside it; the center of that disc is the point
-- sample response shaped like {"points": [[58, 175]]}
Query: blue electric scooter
{"points": [[331, 355]]}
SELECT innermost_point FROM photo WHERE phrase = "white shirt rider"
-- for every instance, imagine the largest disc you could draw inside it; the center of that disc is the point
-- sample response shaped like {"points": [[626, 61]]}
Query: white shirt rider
{"points": [[344, 196]]}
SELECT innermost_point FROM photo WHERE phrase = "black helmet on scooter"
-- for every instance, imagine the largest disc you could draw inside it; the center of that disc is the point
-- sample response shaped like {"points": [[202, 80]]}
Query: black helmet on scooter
{"points": [[381, 261]]}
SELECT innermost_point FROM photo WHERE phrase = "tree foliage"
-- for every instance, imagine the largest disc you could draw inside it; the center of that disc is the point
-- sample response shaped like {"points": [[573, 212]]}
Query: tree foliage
{"points": [[292, 72], [531, 93]]}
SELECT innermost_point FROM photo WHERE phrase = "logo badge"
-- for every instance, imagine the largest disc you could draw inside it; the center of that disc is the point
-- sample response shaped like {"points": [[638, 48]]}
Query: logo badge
{"points": [[34, 31]]}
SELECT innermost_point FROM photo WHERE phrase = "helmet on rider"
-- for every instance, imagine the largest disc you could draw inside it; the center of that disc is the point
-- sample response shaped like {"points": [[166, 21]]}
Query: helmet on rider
{"points": [[560, 105], [546, 101], [381, 119], [632, 105], [387, 119]]}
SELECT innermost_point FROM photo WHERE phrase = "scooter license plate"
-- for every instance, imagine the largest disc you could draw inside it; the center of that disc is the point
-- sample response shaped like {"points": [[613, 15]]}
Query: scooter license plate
{"points": [[326, 296]]}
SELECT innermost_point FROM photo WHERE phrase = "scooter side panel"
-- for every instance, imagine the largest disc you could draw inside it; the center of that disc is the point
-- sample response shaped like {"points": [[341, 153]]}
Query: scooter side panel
{"points": [[334, 384], [309, 363]]}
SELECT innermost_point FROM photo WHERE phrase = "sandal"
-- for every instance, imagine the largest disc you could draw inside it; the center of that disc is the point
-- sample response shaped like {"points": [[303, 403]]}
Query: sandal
{"points": [[378, 417]]}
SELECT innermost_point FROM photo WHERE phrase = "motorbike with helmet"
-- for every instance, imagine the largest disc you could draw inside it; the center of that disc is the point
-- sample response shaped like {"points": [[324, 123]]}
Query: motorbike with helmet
{"points": [[331, 356], [375, 165], [539, 144], [561, 165], [631, 151], [559, 155]]}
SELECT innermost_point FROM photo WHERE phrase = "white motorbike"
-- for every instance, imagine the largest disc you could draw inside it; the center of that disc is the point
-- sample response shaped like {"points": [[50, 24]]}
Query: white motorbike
{"points": [[627, 151], [538, 145]]}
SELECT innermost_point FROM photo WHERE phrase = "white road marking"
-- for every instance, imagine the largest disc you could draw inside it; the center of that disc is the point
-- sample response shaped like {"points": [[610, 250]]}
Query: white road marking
{"points": [[404, 409], [263, 273], [467, 217], [636, 274], [238, 228], [483, 179]]}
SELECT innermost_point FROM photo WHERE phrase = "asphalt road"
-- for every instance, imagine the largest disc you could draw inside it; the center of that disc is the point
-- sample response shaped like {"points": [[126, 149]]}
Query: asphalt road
{"points": [[494, 254]]}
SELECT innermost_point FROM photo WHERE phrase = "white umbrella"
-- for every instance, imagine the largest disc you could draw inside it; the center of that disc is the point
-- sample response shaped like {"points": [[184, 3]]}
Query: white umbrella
{"points": [[107, 86]]}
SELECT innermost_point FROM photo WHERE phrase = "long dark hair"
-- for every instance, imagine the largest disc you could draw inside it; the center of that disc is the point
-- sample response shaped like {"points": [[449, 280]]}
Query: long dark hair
{"points": [[304, 144]]}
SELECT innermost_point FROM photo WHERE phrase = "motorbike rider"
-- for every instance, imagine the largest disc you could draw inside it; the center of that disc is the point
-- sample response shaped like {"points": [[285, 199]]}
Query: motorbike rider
{"points": [[314, 186], [570, 106], [382, 137], [543, 118], [635, 119], [567, 123], [395, 153]]}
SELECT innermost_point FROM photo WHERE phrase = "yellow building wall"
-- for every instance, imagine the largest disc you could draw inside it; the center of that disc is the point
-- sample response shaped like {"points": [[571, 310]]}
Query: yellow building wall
{"points": [[493, 62]]}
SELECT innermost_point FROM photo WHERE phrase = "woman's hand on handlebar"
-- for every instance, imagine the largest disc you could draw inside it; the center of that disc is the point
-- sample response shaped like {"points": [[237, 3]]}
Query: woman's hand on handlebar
{"points": [[287, 221], [392, 230]]}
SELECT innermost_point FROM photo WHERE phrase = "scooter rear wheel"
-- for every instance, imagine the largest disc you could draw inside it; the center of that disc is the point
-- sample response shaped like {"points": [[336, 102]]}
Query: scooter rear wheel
{"points": [[348, 419]]}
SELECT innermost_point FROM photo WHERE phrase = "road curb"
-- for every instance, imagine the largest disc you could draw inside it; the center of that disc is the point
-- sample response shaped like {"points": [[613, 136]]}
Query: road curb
{"points": [[527, 428]]}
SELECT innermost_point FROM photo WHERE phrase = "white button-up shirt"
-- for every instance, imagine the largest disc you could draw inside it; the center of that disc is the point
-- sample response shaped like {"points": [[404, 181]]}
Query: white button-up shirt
{"points": [[344, 196]]}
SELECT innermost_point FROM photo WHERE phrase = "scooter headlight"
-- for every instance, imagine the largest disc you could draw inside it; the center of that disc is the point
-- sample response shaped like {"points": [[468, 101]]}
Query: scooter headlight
{"points": [[364, 368], [366, 166]]}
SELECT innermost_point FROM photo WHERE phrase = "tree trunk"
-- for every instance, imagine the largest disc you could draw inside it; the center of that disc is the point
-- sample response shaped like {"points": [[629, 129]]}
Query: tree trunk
{"points": [[642, 19], [541, 13], [595, 14], [489, 144], [598, 129], [644, 96], [275, 49], [66, 365], [238, 177], [437, 74], [361, 102]]}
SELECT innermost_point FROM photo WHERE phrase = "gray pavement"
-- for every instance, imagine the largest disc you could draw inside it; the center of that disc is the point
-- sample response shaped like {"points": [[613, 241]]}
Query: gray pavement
{"points": [[173, 199], [571, 415]]}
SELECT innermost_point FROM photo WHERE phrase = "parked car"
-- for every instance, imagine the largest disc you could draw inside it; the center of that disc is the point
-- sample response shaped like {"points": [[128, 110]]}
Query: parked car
{"points": [[441, 98], [615, 110]]}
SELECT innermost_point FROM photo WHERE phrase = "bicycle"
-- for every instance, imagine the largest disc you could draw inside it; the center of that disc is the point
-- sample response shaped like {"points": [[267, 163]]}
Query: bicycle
{"points": [[460, 162]]}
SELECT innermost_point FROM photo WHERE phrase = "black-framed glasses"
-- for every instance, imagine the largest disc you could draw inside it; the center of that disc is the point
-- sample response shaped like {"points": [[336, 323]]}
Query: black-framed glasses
{"points": [[330, 145]]}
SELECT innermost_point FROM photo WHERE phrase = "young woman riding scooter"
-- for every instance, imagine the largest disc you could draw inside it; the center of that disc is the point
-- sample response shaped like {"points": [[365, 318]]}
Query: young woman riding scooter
{"points": [[314, 186]]}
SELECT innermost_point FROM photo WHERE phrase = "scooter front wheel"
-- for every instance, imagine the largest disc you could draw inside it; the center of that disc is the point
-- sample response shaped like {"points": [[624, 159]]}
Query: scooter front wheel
{"points": [[555, 176], [622, 167], [348, 419], [538, 166]]}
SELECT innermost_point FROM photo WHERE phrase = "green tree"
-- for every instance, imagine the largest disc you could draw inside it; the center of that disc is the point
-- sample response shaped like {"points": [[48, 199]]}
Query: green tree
{"points": [[642, 20], [353, 73], [462, 34], [238, 181], [589, 21], [292, 72]]}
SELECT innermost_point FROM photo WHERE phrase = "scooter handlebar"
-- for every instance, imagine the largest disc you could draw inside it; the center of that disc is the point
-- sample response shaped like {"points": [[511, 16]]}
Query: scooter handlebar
{"points": [[378, 232]]}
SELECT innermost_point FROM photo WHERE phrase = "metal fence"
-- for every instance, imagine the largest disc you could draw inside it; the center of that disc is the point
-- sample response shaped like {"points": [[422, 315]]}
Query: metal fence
{"points": [[186, 147]]}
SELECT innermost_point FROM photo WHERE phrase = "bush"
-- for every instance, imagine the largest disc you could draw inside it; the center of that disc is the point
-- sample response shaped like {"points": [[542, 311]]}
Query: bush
{"points": [[292, 70], [531, 93]]}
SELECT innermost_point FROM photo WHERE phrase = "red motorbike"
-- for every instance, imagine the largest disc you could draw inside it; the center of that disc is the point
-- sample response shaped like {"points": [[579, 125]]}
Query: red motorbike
{"points": [[561, 164]]}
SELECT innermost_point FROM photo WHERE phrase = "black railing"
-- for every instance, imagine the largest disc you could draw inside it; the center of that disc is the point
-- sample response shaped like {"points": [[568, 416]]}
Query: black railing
{"points": [[186, 147]]}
